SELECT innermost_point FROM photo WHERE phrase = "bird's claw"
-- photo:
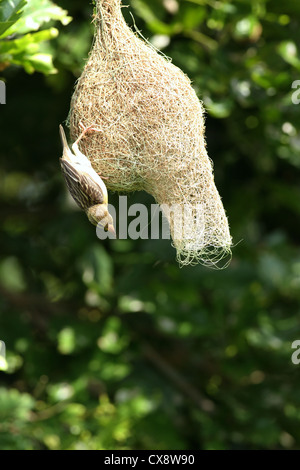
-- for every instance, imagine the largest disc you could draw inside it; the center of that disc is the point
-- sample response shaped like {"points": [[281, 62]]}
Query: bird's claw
{"points": [[85, 130], [103, 177]]}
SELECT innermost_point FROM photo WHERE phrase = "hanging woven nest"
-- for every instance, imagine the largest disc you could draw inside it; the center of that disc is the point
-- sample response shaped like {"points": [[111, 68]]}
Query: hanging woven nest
{"points": [[152, 134]]}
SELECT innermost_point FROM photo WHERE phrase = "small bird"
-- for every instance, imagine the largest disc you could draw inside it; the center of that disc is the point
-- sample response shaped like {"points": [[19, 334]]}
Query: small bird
{"points": [[85, 185]]}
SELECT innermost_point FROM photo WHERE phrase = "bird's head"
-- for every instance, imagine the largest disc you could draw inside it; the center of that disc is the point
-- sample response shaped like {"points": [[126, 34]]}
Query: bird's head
{"points": [[99, 214]]}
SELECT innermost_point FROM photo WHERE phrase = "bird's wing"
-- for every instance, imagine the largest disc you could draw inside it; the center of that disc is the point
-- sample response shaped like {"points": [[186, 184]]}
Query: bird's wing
{"points": [[84, 190]]}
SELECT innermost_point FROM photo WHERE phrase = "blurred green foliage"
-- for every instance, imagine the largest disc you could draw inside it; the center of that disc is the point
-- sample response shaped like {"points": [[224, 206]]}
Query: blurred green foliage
{"points": [[109, 344], [18, 44]]}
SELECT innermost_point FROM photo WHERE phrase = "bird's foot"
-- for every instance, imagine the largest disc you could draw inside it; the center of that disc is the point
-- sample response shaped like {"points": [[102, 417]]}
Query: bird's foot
{"points": [[85, 130], [103, 177]]}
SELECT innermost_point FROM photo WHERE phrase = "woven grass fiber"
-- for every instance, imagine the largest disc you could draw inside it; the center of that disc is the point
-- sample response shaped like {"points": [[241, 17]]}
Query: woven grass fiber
{"points": [[151, 135]]}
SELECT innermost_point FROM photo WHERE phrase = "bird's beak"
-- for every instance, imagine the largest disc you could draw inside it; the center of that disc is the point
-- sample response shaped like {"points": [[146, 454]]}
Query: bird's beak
{"points": [[66, 148], [111, 229]]}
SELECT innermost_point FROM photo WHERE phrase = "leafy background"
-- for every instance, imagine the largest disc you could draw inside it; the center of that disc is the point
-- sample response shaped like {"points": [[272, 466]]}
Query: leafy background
{"points": [[109, 344]]}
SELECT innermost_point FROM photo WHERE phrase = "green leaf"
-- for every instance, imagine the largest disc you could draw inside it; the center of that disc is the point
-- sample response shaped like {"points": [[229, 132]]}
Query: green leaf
{"points": [[25, 51], [10, 13], [38, 12], [145, 11], [289, 52], [221, 109], [11, 274], [98, 270], [248, 28], [14, 405], [66, 341], [150, 14], [192, 17], [41, 63], [28, 42]]}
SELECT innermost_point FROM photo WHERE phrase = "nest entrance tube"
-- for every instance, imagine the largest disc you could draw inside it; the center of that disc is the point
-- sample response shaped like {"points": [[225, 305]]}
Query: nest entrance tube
{"points": [[152, 134]]}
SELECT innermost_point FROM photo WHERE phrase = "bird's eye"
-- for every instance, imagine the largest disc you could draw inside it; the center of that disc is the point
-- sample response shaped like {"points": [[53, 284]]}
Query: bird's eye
{"points": [[106, 228]]}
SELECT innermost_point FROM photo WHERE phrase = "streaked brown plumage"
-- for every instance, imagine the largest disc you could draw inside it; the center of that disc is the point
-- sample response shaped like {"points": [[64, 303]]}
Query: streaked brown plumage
{"points": [[84, 184]]}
